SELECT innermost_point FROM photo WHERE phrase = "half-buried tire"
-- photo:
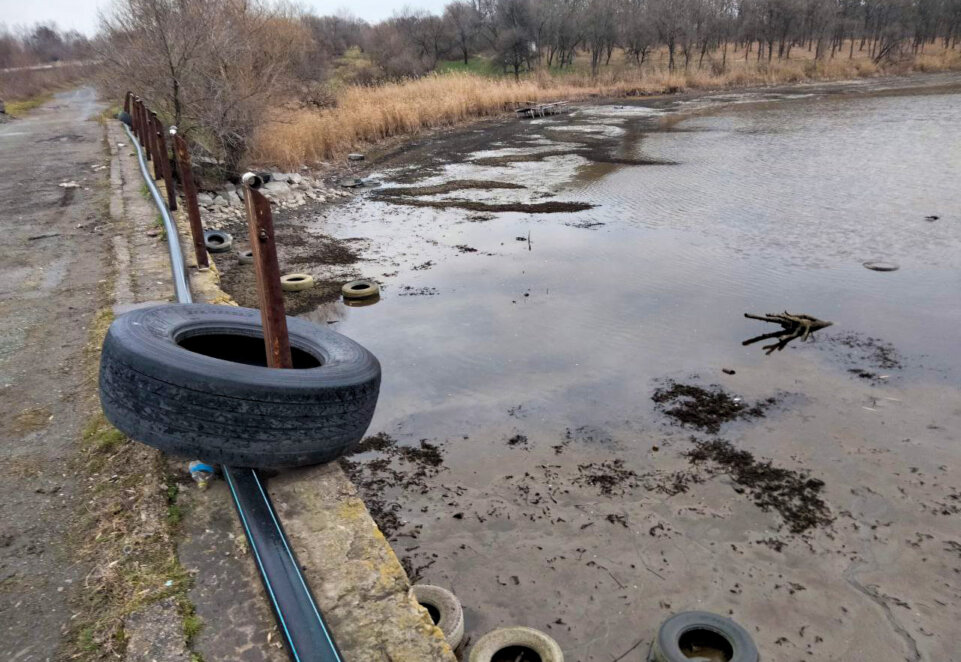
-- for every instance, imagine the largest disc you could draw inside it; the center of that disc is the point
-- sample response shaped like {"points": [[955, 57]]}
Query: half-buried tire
{"points": [[192, 380]]}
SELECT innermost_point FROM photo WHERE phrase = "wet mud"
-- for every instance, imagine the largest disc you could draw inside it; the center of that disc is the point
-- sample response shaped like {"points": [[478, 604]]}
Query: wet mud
{"points": [[331, 261], [471, 205], [447, 187]]}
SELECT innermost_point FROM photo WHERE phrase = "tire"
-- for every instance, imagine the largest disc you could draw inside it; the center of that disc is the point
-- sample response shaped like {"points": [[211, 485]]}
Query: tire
{"points": [[497, 640], [217, 241], [245, 257], [296, 282], [451, 620], [360, 289], [667, 645], [880, 265], [192, 380]]}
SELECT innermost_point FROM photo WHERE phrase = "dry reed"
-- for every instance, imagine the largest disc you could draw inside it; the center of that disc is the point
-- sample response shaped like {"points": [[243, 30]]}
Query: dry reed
{"points": [[366, 115]]}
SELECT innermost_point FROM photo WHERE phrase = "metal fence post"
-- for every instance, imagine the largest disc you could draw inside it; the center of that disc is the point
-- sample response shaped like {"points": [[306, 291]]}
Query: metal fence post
{"points": [[134, 117], [273, 316], [164, 159], [154, 143], [126, 102], [141, 127], [182, 155]]}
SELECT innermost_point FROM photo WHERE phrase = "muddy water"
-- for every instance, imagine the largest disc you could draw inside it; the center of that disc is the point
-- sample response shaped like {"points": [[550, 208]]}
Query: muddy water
{"points": [[528, 347], [768, 209]]}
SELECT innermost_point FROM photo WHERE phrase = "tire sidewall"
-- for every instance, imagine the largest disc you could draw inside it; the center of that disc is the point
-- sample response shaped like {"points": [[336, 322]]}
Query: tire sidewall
{"points": [[666, 646]]}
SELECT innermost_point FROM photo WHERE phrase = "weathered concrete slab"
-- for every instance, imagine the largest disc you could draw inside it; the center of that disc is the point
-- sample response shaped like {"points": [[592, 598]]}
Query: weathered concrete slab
{"points": [[357, 579], [155, 634]]}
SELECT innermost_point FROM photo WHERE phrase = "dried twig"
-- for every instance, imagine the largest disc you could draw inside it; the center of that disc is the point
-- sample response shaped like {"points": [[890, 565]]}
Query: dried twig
{"points": [[793, 325]]}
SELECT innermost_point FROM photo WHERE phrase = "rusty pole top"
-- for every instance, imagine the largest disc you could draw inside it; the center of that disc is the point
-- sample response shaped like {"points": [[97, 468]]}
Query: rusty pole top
{"points": [[272, 314]]}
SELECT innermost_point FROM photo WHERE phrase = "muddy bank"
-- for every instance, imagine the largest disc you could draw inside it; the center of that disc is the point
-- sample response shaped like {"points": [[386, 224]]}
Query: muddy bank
{"points": [[331, 261]]}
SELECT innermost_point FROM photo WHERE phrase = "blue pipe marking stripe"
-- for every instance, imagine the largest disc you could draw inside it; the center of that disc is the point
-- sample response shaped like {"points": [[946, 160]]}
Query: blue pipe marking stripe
{"points": [[263, 574], [293, 561]]}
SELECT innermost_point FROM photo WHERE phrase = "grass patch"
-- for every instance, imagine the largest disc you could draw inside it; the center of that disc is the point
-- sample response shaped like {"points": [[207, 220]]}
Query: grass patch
{"points": [[480, 66], [21, 107], [99, 436], [159, 222], [192, 624], [124, 534]]}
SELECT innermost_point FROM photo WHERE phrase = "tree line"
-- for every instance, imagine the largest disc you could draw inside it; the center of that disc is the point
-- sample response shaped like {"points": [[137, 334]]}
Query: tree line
{"points": [[520, 35], [216, 68], [43, 43]]}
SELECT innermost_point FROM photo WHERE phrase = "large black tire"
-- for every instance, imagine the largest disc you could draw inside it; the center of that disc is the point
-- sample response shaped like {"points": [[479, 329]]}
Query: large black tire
{"points": [[716, 631], [192, 380]]}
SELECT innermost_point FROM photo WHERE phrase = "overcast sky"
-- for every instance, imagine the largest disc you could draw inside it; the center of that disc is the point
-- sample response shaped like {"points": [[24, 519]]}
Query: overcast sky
{"points": [[82, 14]]}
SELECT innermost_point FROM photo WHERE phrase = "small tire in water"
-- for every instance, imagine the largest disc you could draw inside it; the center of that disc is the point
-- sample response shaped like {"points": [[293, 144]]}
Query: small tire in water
{"points": [[450, 614], [193, 380], [360, 289], [880, 265], [217, 241], [516, 639], [296, 282], [693, 630]]}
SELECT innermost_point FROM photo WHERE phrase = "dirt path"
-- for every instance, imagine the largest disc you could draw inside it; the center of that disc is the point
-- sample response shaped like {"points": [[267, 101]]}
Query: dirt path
{"points": [[53, 260]]}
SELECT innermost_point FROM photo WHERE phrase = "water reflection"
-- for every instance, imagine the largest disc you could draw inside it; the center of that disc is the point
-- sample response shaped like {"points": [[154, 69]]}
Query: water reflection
{"points": [[653, 280]]}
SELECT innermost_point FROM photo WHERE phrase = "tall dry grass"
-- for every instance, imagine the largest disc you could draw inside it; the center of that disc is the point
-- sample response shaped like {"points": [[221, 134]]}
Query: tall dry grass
{"points": [[366, 115]]}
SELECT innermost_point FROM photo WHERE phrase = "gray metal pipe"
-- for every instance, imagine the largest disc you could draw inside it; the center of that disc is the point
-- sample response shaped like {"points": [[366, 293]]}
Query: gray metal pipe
{"points": [[177, 264]]}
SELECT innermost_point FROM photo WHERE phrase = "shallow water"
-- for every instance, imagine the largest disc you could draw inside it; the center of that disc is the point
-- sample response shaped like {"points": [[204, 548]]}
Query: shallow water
{"points": [[768, 209], [532, 358]]}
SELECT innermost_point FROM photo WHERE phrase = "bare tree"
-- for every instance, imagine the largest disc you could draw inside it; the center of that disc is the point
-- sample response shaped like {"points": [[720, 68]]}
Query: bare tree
{"points": [[637, 32], [210, 66], [463, 22], [600, 30], [515, 44]]}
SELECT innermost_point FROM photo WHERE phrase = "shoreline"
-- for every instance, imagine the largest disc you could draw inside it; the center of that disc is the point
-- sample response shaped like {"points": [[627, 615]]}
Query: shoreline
{"points": [[365, 117]]}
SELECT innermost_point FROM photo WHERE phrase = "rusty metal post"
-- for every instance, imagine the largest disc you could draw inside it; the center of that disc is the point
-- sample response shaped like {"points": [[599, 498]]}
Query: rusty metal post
{"points": [[126, 102], [144, 133], [182, 155], [134, 118], [272, 314], [145, 140], [152, 131], [164, 159], [141, 133]]}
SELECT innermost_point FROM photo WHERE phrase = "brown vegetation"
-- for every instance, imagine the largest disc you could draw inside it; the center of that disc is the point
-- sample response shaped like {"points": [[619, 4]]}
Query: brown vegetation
{"points": [[258, 81], [364, 114], [38, 61]]}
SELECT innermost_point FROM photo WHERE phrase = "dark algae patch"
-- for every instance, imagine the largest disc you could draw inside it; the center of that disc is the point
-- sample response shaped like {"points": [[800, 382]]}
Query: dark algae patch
{"points": [[447, 187], [795, 495], [705, 408], [610, 478], [408, 468], [473, 205], [867, 357]]}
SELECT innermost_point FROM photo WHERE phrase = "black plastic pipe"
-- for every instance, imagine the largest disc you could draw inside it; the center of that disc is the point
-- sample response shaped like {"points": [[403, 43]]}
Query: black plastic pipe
{"points": [[306, 633]]}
